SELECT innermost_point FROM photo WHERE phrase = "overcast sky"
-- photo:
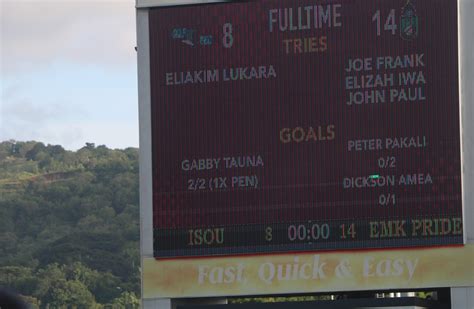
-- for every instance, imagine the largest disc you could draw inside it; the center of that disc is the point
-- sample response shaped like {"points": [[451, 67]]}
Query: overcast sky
{"points": [[68, 72]]}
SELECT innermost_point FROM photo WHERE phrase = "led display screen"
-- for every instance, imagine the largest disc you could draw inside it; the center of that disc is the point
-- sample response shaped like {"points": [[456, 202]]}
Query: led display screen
{"points": [[303, 125]]}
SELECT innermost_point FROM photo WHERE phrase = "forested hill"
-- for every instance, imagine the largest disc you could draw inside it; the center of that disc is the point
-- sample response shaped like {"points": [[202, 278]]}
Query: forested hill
{"points": [[69, 225]]}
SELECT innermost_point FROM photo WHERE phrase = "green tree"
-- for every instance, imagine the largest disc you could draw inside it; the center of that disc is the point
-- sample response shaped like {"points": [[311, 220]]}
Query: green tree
{"points": [[127, 300], [69, 293], [69, 223], [10, 276], [33, 153], [32, 301]]}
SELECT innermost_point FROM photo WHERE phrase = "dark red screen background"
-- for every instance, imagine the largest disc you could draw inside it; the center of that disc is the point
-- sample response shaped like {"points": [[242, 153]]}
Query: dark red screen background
{"points": [[299, 181]]}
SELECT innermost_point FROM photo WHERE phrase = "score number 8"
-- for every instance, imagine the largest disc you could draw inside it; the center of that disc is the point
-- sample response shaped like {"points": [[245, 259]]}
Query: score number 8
{"points": [[228, 39]]}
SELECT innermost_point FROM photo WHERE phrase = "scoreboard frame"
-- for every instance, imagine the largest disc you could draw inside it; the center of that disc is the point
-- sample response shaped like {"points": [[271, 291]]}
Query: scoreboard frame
{"points": [[149, 263]]}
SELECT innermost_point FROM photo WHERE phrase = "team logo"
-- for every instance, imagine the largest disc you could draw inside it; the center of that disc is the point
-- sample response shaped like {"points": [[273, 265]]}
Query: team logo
{"points": [[186, 36], [189, 37], [408, 22]]}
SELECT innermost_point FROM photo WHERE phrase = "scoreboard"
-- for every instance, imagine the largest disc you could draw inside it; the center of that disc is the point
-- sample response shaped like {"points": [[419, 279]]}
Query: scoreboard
{"points": [[287, 126]]}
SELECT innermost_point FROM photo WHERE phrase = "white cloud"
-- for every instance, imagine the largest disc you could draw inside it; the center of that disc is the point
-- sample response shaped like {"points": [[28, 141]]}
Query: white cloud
{"points": [[34, 34], [75, 135], [61, 122], [111, 134], [49, 124], [41, 39], [22, 119]]}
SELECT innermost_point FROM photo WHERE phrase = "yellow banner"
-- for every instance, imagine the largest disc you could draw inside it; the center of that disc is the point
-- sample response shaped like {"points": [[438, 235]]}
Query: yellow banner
{"points": [[309, 272]]}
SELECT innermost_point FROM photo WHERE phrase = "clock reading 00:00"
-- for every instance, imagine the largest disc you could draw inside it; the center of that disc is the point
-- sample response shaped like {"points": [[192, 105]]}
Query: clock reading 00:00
{"points": [[302, 232], [315, 232]]}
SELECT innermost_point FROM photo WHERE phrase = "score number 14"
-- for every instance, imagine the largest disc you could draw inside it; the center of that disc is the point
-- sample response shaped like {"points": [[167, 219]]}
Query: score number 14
{"points": [[347, 230], [390, 24]]}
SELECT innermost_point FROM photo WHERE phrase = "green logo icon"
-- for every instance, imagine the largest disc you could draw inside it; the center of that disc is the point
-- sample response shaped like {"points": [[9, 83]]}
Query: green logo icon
{"points": [[409, 22]]}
